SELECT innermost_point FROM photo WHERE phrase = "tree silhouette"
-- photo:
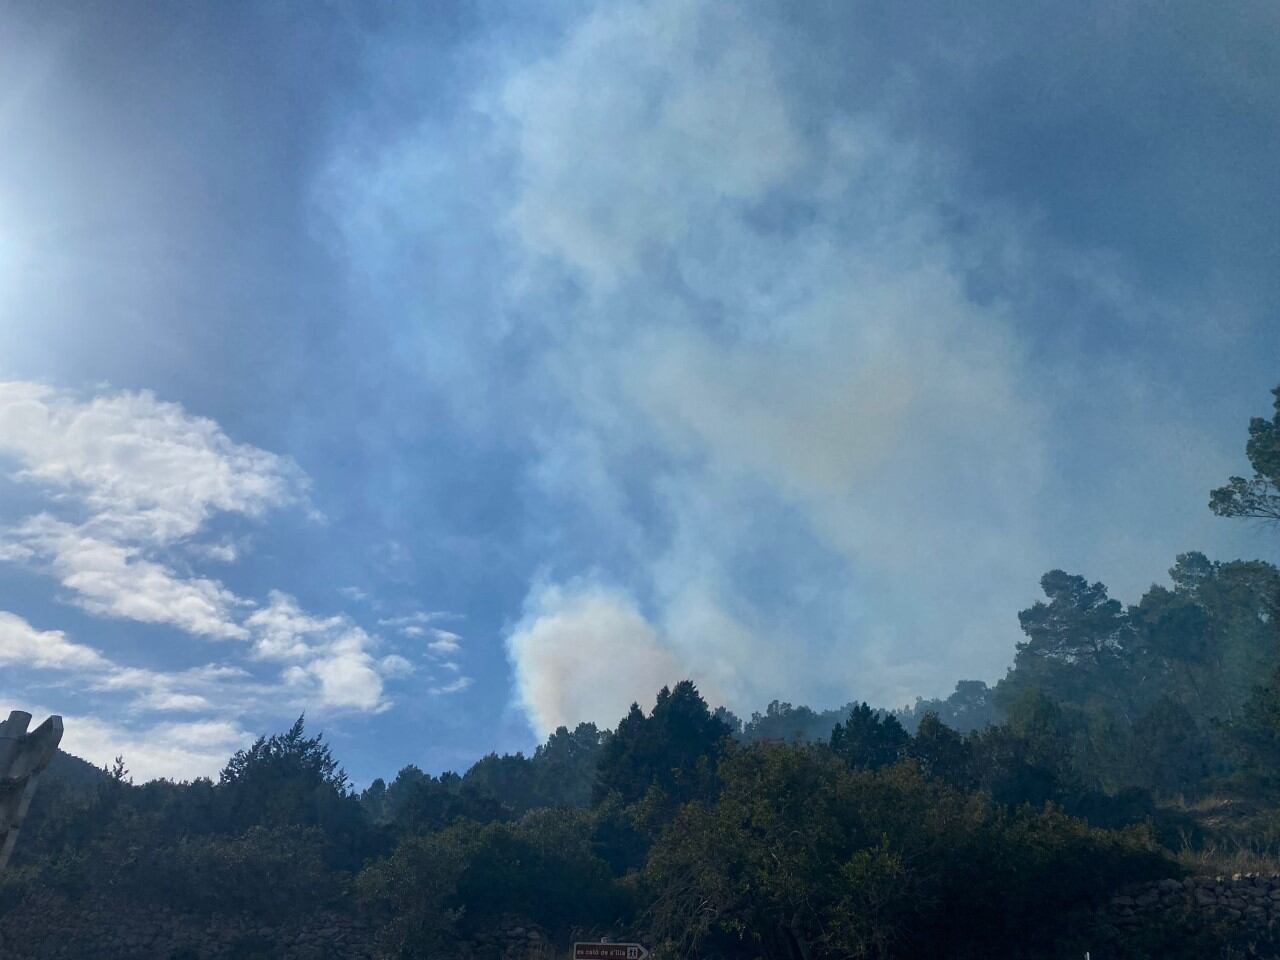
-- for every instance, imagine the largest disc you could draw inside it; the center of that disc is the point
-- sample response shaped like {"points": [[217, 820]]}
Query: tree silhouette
{"points": [[1259, 496]]}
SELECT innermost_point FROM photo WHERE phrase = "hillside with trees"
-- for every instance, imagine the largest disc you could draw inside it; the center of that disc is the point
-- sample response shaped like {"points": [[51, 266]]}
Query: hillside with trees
{"points": [[1129, 741]]}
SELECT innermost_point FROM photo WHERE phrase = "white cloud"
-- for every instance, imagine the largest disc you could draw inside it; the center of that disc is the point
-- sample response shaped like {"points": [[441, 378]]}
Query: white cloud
{"points": [[23, 645], [417, 621], [15, 553], [207, 688], [130, 482], [284, 631], [140, 476], [442, 647], [221, 552], [199, 689], [348, 678], [443, 642], [330, 653], [178, 751], [455, 686], [175, 750], [168, 702], [585, 652], [112, 579], [394, 665], [146, 469]]}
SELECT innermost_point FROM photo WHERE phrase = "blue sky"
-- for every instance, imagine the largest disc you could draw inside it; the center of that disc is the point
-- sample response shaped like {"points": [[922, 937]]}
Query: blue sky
{"points": [[451, 373]]}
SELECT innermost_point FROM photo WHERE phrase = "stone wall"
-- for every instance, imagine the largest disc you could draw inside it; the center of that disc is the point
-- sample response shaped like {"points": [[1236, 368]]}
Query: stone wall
{"points": [[510, 941], [51, 927], [1245, 906]]}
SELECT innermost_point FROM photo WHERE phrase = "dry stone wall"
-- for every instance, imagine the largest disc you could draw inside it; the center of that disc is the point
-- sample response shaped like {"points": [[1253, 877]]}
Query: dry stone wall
{"points": [[1244, 906], [52, 927], [55, 928]]}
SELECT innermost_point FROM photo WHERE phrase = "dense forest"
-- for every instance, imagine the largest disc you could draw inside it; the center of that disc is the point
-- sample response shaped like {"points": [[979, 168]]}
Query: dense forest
{"points": [[1127, 742]]}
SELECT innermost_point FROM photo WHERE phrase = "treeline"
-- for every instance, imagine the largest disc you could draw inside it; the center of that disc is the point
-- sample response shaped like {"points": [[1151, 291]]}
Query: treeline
{"points": [[984, 825], [1169, 695], [681, 829], [877, 843], [676, 827]]}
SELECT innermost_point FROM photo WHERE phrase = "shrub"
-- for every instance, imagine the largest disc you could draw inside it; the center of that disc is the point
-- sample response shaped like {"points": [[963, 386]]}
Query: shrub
{"points": [[802, 856]]}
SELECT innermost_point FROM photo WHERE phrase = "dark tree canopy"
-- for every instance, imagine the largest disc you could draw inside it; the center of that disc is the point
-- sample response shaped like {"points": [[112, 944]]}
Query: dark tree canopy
{"points": [[286, 779], [869, 739], [803, 858], [782, 721], [1259, 496], [1077, 644], [674, 748], [291, 755], [971, 706], [940, 751], [1080, 625]]}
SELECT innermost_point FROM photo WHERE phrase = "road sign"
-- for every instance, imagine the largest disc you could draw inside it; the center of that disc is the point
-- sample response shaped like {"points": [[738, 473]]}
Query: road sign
{"points": [[609, 951]]}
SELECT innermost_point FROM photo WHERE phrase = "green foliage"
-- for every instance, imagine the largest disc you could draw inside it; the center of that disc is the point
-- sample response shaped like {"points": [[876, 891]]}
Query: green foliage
{"points": [[373, 801], [264, 872], [730, 720], [802, 856], [542, 868], [1258, 731], [413, 895], [1209, 638], [970, 707], [1077, 646], [510, 780], [1152, 696], [941, 752], [561, 772], [566, 766], [1169, 753], [136, 843], [16, 884], [675, 748], [275, 837], [869, 738], [292, 780], [1259, 496], [624, 833], [1028, 759], [288, 778], [417, 802], [782, 721]]}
